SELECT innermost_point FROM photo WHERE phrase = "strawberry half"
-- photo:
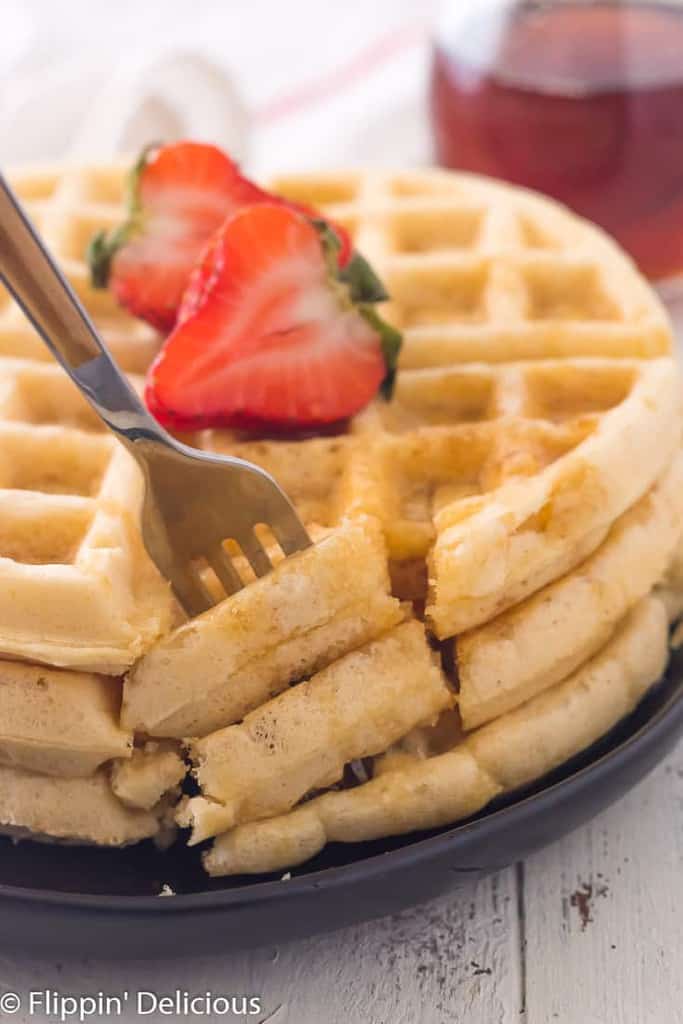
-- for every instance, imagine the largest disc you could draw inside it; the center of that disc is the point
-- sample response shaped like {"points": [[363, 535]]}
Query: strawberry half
{"points": [[269, 336], [178, 195]]}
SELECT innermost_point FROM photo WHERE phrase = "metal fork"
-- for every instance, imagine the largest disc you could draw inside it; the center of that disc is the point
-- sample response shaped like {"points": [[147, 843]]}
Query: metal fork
{"points": [[194, 502]]}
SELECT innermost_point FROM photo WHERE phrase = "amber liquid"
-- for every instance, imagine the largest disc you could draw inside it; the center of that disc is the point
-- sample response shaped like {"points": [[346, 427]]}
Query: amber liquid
{"points": [[583, 102]]}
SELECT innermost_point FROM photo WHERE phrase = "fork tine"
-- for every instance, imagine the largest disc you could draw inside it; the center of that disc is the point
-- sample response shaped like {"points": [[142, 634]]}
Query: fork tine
{"points": [[221, 563], [255, 553], [190, 590], [290, 533]]}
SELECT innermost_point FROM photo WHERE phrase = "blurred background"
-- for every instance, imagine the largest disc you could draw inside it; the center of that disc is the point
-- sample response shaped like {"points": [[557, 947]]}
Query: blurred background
{"points": [[579, 99], [301, 84]]}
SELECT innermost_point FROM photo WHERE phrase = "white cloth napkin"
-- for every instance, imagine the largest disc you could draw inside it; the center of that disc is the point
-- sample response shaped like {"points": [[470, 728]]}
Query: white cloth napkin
{"points": [[179, 95], [280, 86]]}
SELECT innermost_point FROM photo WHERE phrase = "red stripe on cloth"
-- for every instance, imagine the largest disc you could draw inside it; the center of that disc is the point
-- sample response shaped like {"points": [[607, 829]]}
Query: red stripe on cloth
{"points": [[360, 66]]}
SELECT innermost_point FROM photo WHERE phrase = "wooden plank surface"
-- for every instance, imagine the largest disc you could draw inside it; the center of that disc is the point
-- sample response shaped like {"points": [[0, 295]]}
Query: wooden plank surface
{"points": [[604, 913], [430, 965]]}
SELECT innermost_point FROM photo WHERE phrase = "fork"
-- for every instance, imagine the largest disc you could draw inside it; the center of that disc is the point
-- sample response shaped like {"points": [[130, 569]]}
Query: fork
{"points": [[194, 502]]}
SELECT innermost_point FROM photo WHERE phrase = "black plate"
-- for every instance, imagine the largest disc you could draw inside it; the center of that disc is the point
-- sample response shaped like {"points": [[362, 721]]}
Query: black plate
{"points": [[77, 900]]}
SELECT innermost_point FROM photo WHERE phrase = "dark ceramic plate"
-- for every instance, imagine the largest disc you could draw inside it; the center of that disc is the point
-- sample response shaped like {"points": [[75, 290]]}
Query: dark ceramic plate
{"points": [[76, 900]]}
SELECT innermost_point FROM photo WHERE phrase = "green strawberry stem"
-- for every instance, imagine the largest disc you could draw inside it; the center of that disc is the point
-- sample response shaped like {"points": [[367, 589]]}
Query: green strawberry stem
{"points": [[391, 341], [364, 288], [104, 245]]}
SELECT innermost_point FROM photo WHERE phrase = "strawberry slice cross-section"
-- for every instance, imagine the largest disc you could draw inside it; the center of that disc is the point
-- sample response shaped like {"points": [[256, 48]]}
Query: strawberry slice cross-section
{"points": [[270, 334], [178, 195]]}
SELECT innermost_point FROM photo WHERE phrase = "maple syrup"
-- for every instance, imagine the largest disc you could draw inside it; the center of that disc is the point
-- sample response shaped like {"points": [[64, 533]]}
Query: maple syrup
{"points": [[581, 101]]}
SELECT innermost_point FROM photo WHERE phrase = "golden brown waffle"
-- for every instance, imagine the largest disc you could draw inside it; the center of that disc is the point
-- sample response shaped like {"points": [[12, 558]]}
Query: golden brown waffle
{"points": [[542, 640], [313, 608], [543, 519], [670, 591], [536, 406], [152, 774], [509, 473], [77, 588], [80, 810], [479, 271], [426, 792], [301, 741], [64, 724], [549, 676]]}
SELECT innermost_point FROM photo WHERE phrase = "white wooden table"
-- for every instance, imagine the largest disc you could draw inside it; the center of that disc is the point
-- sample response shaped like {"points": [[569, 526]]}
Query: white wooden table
{"points": [[588, 931]]}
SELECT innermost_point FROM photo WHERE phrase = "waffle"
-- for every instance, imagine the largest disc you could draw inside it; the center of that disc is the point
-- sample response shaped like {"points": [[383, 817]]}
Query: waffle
{"points": [[503, 667], [151, 774], [525, 465], [68, 205], [670, 592], [511, 474], [80, 810], [59, 723], [506, 661], [313, 608], [69, 540], [543, 519], [508, 753], [531, 440], [479, 271], [301, 740]]}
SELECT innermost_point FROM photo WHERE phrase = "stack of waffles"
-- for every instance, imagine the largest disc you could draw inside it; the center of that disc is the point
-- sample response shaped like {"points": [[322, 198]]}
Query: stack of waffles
{"points": [[497, 559]]}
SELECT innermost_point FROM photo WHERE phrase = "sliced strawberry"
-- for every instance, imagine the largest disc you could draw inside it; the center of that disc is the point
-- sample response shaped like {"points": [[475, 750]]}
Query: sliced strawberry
{"points": [[248, 193], [268, 334], [178, 196]]}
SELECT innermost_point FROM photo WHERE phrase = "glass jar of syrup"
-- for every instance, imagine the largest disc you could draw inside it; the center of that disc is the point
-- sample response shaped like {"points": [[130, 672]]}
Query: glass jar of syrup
{"points": [[583, 101]]}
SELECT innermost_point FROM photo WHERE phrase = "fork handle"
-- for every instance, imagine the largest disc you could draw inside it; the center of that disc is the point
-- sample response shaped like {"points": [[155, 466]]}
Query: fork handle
{"points": [[47, 299]]}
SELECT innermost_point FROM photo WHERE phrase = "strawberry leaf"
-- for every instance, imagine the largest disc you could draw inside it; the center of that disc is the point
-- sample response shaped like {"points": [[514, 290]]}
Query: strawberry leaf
{"points": [[98, 257], [364, 284], [104, 245], [133, 179], [330, 243], [391, 341], [101, 250], [364, 289]]}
